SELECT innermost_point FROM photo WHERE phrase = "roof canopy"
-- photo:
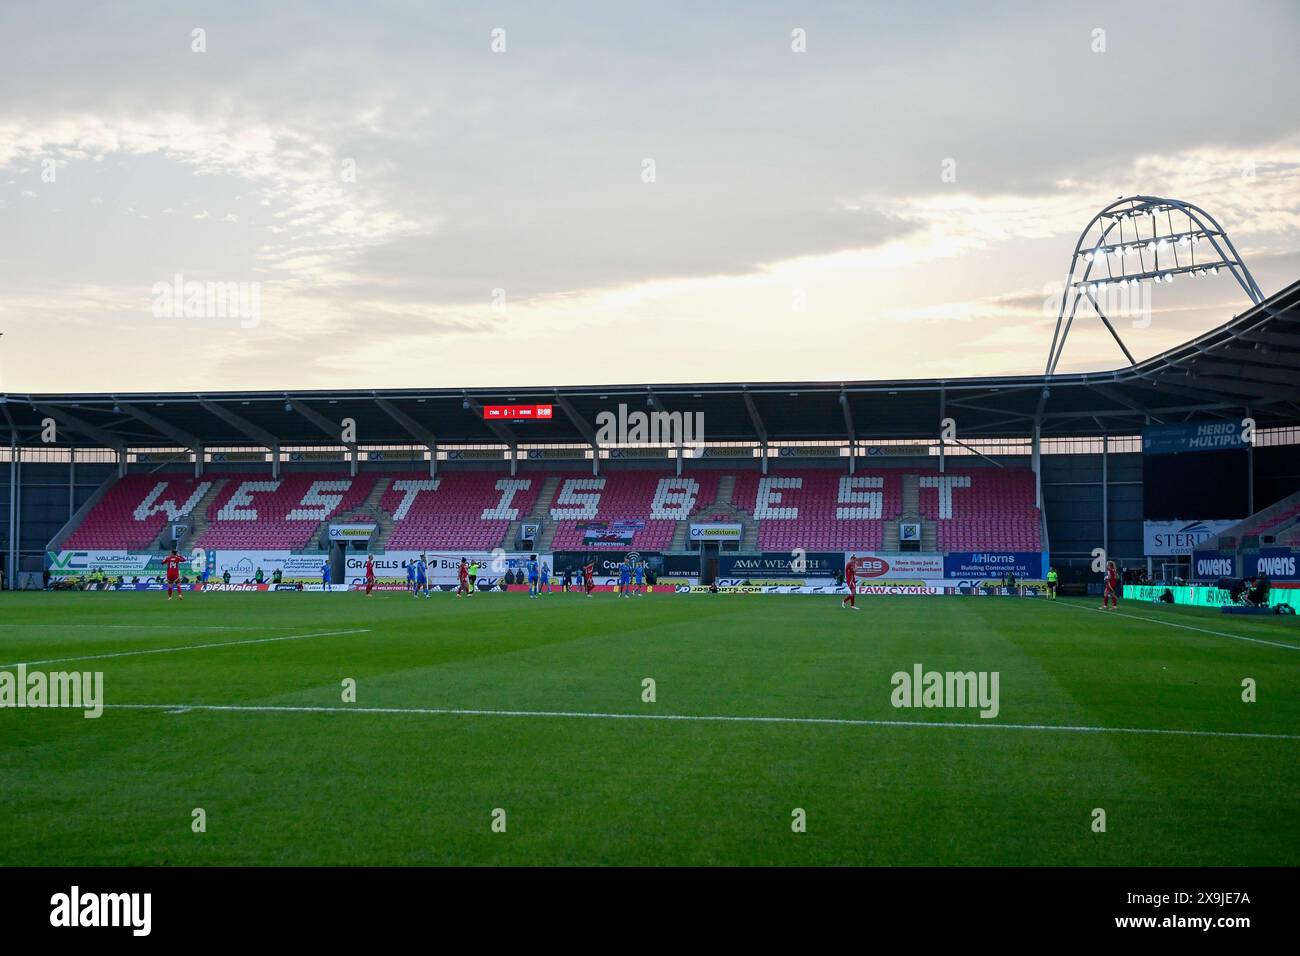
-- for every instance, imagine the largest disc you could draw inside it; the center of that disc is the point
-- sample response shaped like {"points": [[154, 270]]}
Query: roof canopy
{"points": [[1249, 364]]}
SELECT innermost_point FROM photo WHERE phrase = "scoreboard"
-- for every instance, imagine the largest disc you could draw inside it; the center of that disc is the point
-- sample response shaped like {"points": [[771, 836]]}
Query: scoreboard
{"points": [[517, 413]]}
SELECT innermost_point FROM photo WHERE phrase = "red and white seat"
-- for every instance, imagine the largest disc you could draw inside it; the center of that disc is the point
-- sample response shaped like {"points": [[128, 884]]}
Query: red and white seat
{"points": [[816, 509], [819, 509], [466, 511], [258, 512], [651, 498], [1272, 523], [135, 510], [982, 509]]}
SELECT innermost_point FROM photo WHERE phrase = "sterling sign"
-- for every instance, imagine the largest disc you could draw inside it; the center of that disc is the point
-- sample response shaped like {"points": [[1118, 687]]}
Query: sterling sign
{"points": [[1179, 537]]}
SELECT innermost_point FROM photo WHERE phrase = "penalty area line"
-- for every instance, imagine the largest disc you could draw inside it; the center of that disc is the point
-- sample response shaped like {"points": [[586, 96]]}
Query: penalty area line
{"points": [[185, 647], [702, 718]]}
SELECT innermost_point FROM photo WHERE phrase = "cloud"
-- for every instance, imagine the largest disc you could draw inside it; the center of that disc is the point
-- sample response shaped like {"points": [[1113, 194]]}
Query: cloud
{"points": [[381, 173]]}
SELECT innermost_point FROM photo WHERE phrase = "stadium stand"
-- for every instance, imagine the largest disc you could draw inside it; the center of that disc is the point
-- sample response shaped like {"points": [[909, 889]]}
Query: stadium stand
{"points": [[1274, 520], [982, 509], [257, 512], [819, 509], [135, 510], [652, 499], [813, 508], [1289, 536], [1282, 518], [459, 511]]}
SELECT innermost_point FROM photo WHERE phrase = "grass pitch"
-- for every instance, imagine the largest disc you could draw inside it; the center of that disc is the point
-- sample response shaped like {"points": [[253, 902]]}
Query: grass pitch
{"points": [[535, 707]]}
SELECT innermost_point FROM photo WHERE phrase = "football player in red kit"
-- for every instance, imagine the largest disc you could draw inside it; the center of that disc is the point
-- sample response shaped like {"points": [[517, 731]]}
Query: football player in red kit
{"points": [[462, 578], [851, 579], [588, 577], [370, 574], [173, 565], [1111, 594]]}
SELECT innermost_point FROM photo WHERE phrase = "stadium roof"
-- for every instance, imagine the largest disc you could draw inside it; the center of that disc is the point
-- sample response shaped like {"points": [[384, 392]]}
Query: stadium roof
{"points": [[1250, 363]]}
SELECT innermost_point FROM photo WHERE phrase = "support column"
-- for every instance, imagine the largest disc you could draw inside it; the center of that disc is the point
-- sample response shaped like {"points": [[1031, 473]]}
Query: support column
{"points": [[12, 553], [1036, 451], [72, 481], [849, 430], [760, 428], [943, 412], [1250, 472], [1105, 495], [17, 493]]}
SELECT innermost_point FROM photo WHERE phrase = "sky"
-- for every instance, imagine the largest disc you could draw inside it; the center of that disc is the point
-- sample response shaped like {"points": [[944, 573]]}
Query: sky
{"points": [[443, 195]]}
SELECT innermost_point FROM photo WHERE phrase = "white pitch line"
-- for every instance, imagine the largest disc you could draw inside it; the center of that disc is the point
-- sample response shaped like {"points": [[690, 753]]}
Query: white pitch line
{"points": [[173, 627], [1187, 627], [186, 647], [707, 718]]}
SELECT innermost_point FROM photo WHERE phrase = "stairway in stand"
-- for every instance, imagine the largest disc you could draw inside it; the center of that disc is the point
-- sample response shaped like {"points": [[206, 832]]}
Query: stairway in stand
{"points": [[889, 541], [911, 495], [722, 510], [722, 504], [198, 518], [541, 512], [369, 510], [726, 488], [909, 513]]}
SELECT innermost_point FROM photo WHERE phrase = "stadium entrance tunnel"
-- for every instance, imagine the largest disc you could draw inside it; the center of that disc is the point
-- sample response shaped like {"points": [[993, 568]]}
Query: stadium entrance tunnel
{"points": [[338, 561], [708, 562]]}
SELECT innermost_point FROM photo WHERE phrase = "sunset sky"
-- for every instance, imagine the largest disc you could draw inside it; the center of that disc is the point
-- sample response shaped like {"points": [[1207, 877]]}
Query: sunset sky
{"points": [[417, 208]]}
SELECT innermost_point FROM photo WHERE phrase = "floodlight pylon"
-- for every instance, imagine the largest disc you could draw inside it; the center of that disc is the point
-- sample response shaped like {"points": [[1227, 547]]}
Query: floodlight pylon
{"points": [[1103, 241]]}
